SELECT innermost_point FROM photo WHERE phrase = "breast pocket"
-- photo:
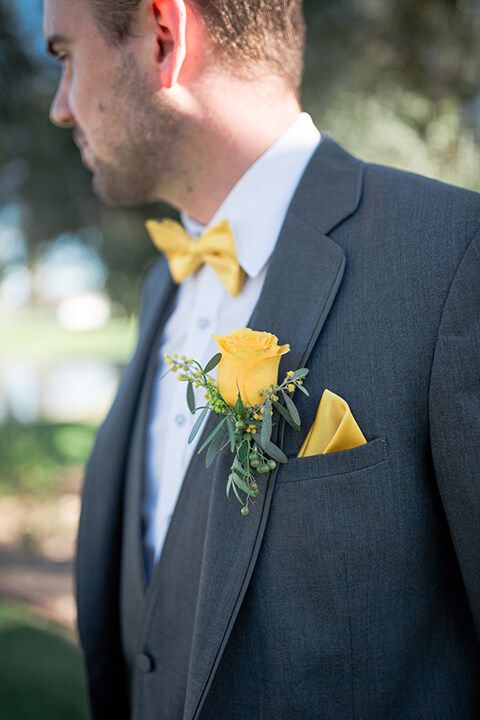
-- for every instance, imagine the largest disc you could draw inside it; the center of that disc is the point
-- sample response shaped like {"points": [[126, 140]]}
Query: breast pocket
{"points": [[372, 453]]}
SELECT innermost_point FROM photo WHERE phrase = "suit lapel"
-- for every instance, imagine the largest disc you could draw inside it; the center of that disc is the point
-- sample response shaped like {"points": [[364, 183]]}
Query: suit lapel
{"points": [[305, 272]]}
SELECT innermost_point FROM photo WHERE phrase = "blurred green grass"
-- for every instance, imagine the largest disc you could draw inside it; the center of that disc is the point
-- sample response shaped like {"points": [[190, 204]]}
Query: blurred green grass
{"points": [[41, 673], [36, 459], [43, 340]]}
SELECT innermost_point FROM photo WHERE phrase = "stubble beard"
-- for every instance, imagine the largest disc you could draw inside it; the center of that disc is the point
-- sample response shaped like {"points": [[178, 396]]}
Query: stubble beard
{"points": [[146, 161]]}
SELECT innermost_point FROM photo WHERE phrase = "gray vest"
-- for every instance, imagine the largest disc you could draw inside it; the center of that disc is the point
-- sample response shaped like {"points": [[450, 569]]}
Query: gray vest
{"points": [[160, 612]]}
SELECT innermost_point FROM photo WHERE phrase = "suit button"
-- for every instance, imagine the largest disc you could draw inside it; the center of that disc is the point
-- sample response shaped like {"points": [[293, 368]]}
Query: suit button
{"points": [[145, 662]]}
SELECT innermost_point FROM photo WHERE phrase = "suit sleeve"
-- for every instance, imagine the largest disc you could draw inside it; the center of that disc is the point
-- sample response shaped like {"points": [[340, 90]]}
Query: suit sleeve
{"points": [[454, 406]]}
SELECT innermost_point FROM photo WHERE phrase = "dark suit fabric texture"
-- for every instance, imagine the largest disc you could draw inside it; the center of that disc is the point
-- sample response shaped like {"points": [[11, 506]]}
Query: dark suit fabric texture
{"points": [[352, 590]]}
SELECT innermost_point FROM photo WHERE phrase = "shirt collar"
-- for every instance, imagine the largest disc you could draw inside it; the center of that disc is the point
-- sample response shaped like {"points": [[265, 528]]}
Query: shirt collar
{"points": [[257, 204]]}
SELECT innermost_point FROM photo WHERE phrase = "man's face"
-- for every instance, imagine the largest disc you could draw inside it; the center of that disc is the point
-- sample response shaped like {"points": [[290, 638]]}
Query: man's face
{"points": [[126, 133]]}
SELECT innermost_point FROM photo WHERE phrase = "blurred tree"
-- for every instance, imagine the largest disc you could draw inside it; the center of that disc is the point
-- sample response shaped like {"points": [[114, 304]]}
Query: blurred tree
{"points": [[395, 80], [402, 66], [429, 48]]}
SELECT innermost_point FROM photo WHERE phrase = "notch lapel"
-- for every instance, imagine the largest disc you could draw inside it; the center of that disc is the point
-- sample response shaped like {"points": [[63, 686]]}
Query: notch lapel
{"points": [[303, 278]]}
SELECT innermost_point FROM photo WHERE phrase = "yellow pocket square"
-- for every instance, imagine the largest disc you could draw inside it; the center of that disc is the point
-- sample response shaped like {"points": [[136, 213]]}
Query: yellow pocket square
{"points": [[333, 429]]}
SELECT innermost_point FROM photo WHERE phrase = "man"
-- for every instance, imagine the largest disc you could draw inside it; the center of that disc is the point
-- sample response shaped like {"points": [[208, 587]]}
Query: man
{"points": [[352, 589]]}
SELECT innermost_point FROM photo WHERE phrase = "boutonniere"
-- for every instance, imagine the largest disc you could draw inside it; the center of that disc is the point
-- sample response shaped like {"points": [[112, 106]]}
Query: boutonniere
{"points": [[245, 395]]}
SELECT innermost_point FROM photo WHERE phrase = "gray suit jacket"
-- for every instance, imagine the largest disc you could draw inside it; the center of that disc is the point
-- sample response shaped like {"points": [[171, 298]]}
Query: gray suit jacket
{"points": [[352, 590]]}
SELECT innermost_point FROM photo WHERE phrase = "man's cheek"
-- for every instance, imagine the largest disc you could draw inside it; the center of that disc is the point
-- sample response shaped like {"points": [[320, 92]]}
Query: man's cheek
{"points": [[82, 103]]}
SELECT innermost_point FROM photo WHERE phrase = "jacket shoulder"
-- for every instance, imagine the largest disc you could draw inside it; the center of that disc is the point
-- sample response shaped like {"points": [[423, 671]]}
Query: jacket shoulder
{"points": [[404, 187], [433, 209]]}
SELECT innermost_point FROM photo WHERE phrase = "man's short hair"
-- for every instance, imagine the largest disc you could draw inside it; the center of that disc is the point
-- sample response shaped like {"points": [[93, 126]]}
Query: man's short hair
{"points": [[269, 34]]}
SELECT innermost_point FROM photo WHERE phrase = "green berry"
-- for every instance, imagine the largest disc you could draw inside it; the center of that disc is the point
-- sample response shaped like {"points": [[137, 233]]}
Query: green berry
{"points": [[240, 425], [272, 464], [263, 469], [245, 510], [254, 459]]}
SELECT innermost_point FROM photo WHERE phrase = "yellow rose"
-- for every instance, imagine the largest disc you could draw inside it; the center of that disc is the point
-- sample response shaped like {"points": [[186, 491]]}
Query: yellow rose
{"points": [[249, 359]]}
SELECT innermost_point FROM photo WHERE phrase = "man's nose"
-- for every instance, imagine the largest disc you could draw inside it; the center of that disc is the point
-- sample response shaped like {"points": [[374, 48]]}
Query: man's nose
{"points": [[60, 112]]}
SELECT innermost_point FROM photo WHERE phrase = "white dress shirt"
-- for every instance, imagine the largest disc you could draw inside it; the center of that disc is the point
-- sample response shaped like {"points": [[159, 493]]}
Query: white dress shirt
{"points": [[256, 207]]}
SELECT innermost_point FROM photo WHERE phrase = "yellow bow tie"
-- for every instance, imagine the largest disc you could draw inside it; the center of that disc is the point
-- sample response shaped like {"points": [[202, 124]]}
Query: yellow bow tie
{"points": [[216, 247]]}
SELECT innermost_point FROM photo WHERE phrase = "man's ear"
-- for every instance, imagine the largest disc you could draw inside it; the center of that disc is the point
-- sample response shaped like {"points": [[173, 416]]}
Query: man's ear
{"points": [[170, 20]]}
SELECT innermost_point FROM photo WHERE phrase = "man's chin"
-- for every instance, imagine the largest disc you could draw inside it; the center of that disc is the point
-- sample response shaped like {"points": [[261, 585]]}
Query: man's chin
{"points": [[115, 197], [108, 196]]}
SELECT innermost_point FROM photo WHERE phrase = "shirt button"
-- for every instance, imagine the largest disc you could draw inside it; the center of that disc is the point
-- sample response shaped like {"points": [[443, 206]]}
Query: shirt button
{"points": [[145, 662], [180, 419], [203, 323]]}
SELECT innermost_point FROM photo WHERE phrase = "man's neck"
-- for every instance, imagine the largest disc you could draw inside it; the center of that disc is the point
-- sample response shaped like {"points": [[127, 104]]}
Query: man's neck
{"points": [[229, 154]]}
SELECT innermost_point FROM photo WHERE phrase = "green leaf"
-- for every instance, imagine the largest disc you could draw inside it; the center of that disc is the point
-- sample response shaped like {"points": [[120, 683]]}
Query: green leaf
{"points": [[212, 435], [299, 374], [236, 493], [292, 409], [231, 432], [190, 398], [274, 452], [238, 465], [197, 425], [243, 450], [213, 363], [214, 448], [239, 406], [305, 392], [284, 412], [266, 431], [227, 442], [243, 486]]}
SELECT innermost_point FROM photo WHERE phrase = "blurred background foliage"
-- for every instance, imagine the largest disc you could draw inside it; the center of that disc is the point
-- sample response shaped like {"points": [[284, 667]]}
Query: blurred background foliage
{"points": [[41, 675], [395, 81]]}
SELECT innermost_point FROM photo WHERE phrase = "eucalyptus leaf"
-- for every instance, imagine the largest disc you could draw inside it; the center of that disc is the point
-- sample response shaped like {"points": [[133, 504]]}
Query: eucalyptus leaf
{"points": [[243, 451], [214, 448], [300, 373], [291, 407], [231, 432], [229, 486], [212, 435], [284, 412], [302, 389], [236, 493], [227, 442], [190, 398], [238, 466], [197, 425], [239, 406], [243, 486], [274, 452], [266, 431], [212, 363], [236, 476]]}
